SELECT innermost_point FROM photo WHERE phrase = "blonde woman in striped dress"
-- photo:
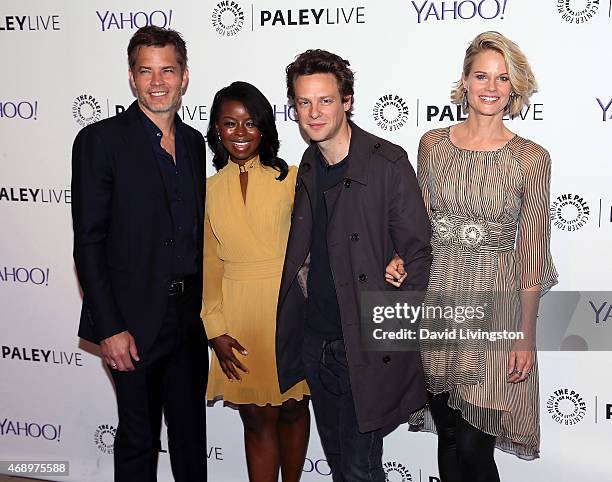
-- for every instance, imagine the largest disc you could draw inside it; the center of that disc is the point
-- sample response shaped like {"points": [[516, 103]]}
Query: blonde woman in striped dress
{"points": [[487, 193]]}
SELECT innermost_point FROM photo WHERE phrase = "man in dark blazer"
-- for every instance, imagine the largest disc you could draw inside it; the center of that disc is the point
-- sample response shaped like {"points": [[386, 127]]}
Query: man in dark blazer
{"points": [[138, 182], [357, 203]]}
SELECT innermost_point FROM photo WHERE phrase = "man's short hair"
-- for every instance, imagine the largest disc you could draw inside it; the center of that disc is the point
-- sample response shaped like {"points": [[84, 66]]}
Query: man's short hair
{"points": [[317, 61], [153, 36]]}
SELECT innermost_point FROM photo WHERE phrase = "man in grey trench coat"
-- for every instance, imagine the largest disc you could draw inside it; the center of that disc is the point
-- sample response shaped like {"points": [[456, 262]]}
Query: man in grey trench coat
{"points": [[357, 202]]}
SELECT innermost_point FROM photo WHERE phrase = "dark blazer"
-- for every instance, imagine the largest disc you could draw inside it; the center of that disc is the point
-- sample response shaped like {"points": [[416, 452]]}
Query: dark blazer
{"points": [[375, 212], [123, 227]]}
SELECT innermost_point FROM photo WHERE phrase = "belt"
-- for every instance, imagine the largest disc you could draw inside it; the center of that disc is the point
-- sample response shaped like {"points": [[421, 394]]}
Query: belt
{"points": [[182, 285], [253, 270], [471, 233]]}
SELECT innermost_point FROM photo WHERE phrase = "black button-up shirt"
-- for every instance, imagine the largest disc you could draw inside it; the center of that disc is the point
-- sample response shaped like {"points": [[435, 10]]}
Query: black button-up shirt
{"points": [[180, 189], [323, 312]]}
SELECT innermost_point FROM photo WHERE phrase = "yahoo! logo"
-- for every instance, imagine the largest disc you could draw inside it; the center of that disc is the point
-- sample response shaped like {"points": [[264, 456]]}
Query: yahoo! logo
{"points": [[36, 276], [284, 112], [47, 431], [19, 109], [460, 10], [133, 20], [319, 466], [601, 311], [605, 108]]}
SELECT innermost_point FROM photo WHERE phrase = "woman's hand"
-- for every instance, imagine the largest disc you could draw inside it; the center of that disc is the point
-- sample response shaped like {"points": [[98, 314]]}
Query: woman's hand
{"points": [[522, 356], [395, 273], [224, 346], [520, 364]]}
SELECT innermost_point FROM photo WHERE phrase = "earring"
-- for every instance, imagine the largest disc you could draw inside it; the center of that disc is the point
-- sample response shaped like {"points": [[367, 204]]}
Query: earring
{"points": [[218, 136], [464, 101], [510, 100]]}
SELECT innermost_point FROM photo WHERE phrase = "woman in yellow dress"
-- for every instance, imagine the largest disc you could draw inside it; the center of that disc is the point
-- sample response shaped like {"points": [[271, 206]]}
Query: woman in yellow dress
{"points": [[247, 218]]}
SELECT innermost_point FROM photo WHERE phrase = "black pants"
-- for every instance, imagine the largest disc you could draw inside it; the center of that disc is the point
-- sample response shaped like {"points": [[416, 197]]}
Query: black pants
{"points": [[171, 377], [353, 456], [465, 454]]}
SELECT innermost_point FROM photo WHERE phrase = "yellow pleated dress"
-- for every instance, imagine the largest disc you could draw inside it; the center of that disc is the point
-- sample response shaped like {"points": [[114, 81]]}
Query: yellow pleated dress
{"points": [[244, 250]]}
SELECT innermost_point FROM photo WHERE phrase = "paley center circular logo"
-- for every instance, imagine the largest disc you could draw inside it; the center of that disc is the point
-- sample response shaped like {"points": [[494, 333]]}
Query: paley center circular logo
{"points": [[577, 11], [227, 18], [390, 112], [396, 472], [104, 438], [566, 406], [569, 212], [86, 110]]}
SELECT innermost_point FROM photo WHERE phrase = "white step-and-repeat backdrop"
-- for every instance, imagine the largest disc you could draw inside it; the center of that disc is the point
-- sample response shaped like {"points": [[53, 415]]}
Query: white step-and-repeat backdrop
{"points": [[64, 66]]}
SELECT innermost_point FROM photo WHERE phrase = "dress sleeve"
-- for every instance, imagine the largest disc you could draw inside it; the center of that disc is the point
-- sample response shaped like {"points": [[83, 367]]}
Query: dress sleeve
{"points": [[533, 242], [423, 172], [212, 298], [290, 181]]}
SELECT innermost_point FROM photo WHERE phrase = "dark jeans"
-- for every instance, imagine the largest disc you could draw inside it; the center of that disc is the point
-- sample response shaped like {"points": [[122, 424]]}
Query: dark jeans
{"points": [[352, 456], [171, 377]]}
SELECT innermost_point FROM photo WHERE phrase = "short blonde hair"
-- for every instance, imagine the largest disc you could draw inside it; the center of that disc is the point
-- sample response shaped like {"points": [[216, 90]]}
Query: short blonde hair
{"points": [[521, 77]]}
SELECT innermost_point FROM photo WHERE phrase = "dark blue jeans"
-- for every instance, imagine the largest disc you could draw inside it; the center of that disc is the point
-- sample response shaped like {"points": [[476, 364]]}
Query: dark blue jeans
{"points": [[352, 456]]}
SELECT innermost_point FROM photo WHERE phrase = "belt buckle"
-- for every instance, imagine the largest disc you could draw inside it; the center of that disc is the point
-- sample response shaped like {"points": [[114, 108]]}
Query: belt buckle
{"points": [[473, 233]]}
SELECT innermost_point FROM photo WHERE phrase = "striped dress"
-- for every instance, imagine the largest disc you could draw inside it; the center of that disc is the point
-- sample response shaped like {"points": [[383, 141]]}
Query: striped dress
{"points": [[491, 234]]}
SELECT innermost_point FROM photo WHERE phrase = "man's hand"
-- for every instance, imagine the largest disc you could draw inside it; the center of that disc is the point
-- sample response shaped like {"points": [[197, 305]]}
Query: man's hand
{"points": [[118, 351], [395, 273], [224, 346]]}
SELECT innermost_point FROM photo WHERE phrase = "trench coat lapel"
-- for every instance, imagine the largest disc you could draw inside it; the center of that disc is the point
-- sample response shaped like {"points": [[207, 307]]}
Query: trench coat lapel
{"points": [[298, 245]]}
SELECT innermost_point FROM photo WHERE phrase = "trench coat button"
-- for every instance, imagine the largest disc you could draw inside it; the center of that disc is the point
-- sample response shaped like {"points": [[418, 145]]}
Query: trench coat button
{"points": [[347, 183], [377, 145], [355, 237], [386, 359], [363, 277]]}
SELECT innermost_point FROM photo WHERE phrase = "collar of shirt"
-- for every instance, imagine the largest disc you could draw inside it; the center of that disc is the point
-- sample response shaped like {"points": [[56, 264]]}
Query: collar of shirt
{"points": [[155, 133], [329, 166]]}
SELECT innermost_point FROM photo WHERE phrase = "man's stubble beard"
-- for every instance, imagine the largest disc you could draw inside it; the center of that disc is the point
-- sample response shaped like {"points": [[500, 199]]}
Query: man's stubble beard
{"points": [[174, 106]]}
